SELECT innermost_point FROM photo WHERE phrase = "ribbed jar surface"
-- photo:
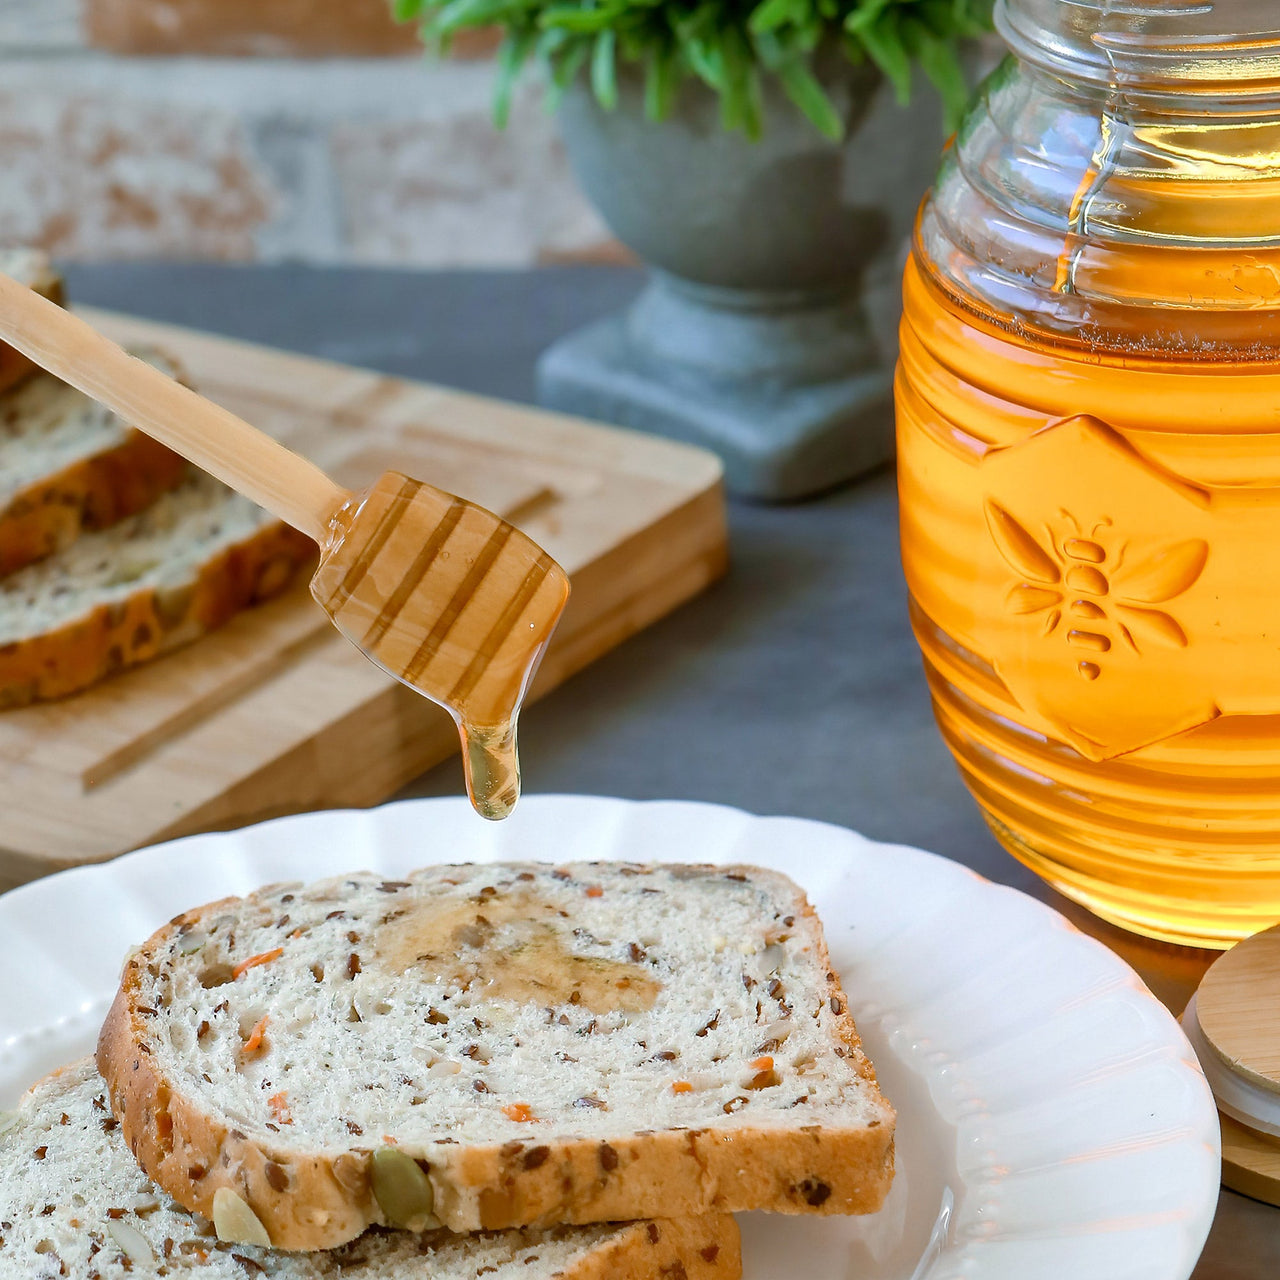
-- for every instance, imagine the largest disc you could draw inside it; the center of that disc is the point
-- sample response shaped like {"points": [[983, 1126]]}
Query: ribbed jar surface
{"points": [[1089, 469]]}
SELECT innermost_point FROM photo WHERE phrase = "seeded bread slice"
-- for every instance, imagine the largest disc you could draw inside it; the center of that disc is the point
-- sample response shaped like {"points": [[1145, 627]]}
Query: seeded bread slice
{"points": [[593, 1042], [73, 1204], [153, 582], [68, 465], [32, 268]]}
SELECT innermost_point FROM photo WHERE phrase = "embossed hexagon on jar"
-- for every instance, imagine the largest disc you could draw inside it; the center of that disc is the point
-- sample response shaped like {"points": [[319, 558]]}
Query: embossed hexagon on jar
{"points": [[1106, 596]]}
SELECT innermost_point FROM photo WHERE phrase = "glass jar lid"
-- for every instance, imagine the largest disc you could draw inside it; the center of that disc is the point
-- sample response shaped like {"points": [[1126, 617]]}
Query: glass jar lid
{"points": [[1227, 50]]}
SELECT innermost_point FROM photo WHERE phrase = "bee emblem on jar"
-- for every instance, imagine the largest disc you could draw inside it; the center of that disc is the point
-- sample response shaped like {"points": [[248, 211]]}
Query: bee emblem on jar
{"points": [[1098, 594], [1096, 567]]}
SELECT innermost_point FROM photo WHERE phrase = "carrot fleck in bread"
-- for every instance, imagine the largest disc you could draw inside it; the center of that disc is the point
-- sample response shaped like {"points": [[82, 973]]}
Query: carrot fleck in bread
{"points": [[68, 465], [73, 1204], [157, 580], [541, 1044]]}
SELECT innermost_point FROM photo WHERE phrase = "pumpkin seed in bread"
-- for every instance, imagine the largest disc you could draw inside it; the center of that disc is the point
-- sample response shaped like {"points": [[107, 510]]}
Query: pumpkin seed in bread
{"points": [[73, 1204], [571, 1044], [157, 580]]}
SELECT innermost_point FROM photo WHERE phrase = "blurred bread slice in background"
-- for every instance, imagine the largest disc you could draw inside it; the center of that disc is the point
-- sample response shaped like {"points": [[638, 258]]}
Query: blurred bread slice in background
{"points": [[158, 580], [69, 466], [32, 268]]}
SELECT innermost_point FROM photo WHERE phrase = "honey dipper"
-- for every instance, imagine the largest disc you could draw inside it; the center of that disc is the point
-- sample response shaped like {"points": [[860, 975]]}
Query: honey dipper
{"points": [[440, 593]]}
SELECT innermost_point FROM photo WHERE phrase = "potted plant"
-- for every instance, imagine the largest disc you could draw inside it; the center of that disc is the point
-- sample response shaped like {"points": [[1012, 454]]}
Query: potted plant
{"points": [[764, 158]]}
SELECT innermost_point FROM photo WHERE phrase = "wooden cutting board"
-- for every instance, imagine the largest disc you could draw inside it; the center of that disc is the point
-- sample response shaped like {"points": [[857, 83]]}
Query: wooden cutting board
{"points": [[276, 713]]}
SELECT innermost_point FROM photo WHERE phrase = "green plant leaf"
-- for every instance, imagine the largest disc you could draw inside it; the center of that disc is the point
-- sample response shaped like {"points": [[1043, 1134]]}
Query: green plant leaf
{"points": [[604, 70], [706, 60], [550, 43], [755, 104], [941, 64], [726, 44], [772, 14], [661, 80], [564, 63], [512, 56], [852, 48], [575, 18], [971, 18], [741, 105], [769, 50], [886, 44], [471, 13], [804, 90], [865, 14], [735, 85]]}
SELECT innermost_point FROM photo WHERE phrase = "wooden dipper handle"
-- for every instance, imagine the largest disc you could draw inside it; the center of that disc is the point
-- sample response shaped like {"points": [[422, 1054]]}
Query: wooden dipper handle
{"points": [[441, 593], [239, 455]]}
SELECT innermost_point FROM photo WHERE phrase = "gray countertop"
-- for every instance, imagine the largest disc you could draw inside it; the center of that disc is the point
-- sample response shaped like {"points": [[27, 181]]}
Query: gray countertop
{"points": [[793, 686]]}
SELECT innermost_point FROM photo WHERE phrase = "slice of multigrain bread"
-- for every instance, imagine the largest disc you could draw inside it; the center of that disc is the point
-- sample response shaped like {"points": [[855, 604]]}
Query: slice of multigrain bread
{"points": [[73, 1204], [585, 1043], [32, 268], [148, 584], [68, 465]]}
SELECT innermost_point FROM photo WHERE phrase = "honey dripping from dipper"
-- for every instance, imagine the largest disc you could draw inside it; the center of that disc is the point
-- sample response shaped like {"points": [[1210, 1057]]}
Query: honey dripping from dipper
{"points": [[455, 603]]}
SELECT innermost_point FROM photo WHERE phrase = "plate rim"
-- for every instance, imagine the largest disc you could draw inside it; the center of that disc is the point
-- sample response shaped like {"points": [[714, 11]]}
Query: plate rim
{"points": [[1193, 1224]]}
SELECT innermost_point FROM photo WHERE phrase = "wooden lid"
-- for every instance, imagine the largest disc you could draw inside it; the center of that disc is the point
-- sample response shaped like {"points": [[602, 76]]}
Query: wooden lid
{"points": [[1235, 1020], [1250, 1161], [1238, 1008]]}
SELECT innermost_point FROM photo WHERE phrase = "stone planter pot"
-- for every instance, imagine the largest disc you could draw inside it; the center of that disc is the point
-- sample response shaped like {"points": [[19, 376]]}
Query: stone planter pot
{"points": [[768, 328]]}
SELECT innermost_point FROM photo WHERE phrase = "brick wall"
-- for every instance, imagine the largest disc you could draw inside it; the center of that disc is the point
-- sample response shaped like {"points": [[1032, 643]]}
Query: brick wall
{"points": [[255, 28], [383, 159]]}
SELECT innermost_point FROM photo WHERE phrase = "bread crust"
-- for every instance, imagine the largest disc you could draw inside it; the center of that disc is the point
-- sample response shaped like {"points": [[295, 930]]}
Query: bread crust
{"points": [[14, 366], [675, 1173], [707, 1248], [190, 1154], [148, 622]]}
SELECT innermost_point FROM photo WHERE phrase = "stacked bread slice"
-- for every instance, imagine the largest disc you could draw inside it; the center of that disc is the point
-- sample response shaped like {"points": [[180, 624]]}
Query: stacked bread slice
{"points": [[74, 1204], [570, 1071], [68, 466], [112, 549]]}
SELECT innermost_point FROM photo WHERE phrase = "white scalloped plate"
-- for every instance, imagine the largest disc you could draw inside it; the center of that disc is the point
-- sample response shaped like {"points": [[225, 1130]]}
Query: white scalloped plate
{"points": [[1053, 1120]]}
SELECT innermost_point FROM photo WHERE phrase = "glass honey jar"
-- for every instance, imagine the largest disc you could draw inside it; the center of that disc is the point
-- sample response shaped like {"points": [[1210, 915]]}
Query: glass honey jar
{"points": [[1088, 403]]}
